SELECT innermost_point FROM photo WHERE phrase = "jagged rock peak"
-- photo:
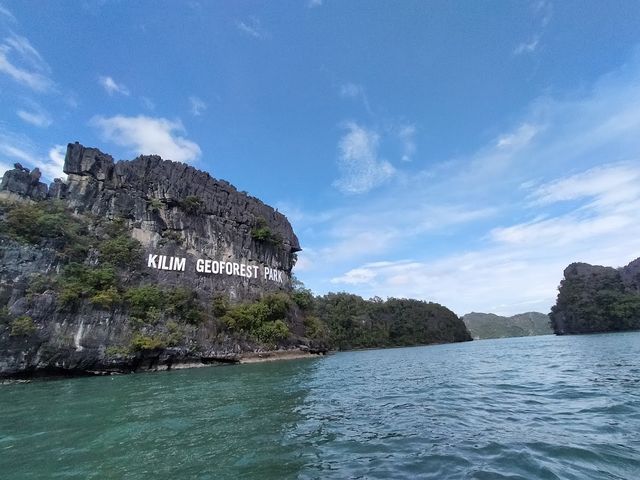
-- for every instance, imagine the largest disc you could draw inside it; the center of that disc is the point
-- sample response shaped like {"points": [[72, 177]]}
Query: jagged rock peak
{"points": [[171, 182]]}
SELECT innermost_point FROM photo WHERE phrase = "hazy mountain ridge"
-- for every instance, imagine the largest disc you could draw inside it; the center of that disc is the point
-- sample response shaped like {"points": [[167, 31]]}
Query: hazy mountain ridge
{"points": [[490, 325]]}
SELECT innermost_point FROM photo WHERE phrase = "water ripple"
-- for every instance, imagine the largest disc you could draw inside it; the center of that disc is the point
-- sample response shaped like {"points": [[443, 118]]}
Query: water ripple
{"points": [[528, 408]]}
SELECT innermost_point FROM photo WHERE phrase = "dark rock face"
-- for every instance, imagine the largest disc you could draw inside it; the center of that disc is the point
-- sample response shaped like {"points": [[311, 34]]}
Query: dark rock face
{"points": [[594, 298], [173, 210], [217, 225], [21, 181], [630, 276]]}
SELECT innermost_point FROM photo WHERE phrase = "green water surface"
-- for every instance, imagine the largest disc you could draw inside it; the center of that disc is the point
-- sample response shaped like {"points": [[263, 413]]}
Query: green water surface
{"points": [[524, 408]]}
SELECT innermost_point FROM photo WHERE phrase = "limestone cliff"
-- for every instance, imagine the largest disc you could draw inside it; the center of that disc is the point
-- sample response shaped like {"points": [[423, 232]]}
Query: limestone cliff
{"points": [[82, 258], [594, 298]]}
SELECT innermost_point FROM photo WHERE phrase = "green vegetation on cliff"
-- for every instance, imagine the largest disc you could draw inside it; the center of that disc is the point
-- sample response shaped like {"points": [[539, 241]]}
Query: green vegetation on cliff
{"points": [[23, 326], [46, 223], [489, 325], [263, 319], [94, 270], [262, 233], [597, 299]]}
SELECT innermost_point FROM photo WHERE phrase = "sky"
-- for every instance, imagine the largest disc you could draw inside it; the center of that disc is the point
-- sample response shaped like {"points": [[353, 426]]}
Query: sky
{"points": [[457, 152]]}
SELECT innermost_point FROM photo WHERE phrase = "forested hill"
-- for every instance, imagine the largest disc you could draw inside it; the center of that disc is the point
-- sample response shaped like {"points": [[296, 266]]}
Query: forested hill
{"points": [[489, 325], [353, 322], [594, 298]]}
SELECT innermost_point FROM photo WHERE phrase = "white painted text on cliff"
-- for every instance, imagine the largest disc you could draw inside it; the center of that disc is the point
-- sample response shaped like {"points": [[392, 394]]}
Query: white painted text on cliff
{"points": [[215, 267]]}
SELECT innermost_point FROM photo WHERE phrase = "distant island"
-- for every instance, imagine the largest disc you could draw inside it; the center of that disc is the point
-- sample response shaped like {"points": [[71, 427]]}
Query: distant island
{"points": [[489, 325], [151, 264], [594, 298]]}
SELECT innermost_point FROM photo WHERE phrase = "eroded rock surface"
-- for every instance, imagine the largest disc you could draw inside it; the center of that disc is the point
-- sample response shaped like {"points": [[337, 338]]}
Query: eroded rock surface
{"points": [[173, 210]]}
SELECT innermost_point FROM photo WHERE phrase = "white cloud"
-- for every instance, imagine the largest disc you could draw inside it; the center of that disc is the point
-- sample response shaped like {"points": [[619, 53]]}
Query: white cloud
{"points": [[493, 230], [36, 117], [148, 135], [607, 185], [111, 86], [406, 134], [314, 3], [383, 225], [610, 197], [196, 106], [3, 168], [22, 62], [359, 164], [521, 137], [53, 168], [519, 267], [544, 10], [7, 14], [21, 149], [253, 28], [356, 276], [351, 90], [527, 47], [16, 152], [355, 91], [504, 277]]}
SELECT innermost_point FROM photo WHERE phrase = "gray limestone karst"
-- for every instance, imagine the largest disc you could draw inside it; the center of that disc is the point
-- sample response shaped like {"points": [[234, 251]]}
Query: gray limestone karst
{"points": [[594, 298], [172, 210]]}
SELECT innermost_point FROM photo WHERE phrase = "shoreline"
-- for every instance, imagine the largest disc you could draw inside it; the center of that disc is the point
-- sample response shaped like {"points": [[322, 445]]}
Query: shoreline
{"points": [[247, 358], [275, 355]]}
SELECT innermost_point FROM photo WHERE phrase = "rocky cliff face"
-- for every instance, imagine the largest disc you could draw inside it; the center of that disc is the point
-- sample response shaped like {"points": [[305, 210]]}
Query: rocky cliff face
{"points": [[594, 298], [191, 233]]}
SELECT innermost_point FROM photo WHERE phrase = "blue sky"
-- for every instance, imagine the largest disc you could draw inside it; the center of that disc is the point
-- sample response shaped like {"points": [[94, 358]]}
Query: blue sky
{"points": [[463, 153]]}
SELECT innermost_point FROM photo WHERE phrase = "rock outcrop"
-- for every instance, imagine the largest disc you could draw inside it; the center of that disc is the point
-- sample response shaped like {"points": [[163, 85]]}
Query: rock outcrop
{"points": [[594, 298], [22, 182], [196, 234]]}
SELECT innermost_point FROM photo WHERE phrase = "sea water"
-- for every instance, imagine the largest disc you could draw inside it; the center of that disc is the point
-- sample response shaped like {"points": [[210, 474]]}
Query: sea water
{"points": [[523, 408]]}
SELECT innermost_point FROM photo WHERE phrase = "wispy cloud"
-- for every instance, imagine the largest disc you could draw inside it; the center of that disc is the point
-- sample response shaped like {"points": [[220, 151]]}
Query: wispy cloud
{"points": [[196, 106], [21, 149], [53, 168], [520, 137], [35, 116], [351, 90], [148, 135], [359, 165], [24, 64], [501, 223], [112, 87], [527, 47], [615, 184], [15, 152], [521, 265], [314, 3], [406, 134], [6, 13], [253, 28], [542, 12], [357, 92]]}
